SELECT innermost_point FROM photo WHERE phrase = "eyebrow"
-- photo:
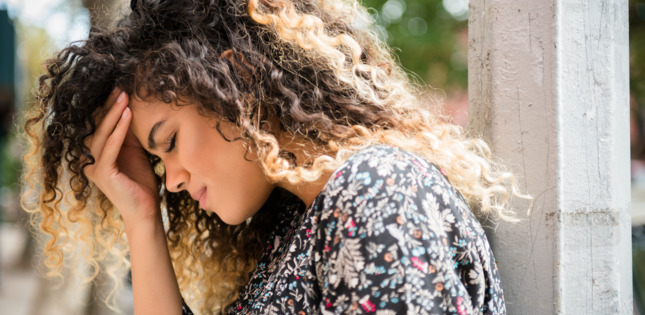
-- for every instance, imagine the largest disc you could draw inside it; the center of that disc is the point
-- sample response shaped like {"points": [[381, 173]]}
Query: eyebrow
{"points": [[151, 136]]}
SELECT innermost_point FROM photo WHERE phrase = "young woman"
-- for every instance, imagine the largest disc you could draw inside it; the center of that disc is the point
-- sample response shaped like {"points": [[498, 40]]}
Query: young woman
{"points": [[295, 167]]}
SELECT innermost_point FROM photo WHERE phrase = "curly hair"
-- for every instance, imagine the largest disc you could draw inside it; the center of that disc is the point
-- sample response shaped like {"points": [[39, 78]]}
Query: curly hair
{"points": [[313, 72]]}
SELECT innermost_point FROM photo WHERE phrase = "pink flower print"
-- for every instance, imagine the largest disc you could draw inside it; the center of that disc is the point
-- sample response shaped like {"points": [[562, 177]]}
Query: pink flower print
{"points": [[420, 168], [351, 227], [419, 264], [368, 306], [460, 306]]}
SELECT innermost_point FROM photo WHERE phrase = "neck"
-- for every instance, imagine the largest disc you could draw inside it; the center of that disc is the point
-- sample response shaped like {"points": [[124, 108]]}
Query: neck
{"points": [[307, 191]]}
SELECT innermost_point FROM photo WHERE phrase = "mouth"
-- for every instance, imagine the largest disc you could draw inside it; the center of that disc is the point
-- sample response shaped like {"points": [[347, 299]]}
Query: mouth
{"points": [[200, 196]]}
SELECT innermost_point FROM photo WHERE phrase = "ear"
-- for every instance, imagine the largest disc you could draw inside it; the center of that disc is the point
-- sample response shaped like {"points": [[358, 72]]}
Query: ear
{"points": [[242, 67]]}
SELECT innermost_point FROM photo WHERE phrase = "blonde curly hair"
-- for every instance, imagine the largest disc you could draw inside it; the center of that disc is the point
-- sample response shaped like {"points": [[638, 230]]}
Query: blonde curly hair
{"points": [[313, 72]]}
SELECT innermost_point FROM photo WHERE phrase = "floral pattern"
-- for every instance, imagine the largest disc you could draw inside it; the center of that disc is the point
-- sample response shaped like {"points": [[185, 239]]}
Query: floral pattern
{"points": [[388, 234]]}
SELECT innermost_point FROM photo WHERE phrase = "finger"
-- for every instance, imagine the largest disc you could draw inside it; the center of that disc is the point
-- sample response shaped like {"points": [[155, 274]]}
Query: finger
{"points": [[113, 96], [107, 125], [111, 99], [115, 141], [99, 113]]}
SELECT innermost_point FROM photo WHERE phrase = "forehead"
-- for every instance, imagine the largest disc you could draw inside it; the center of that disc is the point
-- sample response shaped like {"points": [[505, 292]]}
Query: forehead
{"points": [[145, 114]]}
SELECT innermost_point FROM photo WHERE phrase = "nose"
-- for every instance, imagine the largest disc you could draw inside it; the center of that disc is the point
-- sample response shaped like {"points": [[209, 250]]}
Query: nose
{"points": [[176, 176]]}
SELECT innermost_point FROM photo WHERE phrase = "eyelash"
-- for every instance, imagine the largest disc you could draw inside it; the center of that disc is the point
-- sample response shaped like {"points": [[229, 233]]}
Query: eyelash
{"points": [[172, 141]]}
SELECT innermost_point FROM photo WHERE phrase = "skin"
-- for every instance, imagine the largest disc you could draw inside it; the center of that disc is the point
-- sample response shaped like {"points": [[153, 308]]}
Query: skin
{"points": [[122, 173], [200, 161], [197, 158]]}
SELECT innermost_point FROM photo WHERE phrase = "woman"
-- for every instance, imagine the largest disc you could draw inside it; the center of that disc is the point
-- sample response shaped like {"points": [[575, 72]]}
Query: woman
{"points": [[297, 168]]}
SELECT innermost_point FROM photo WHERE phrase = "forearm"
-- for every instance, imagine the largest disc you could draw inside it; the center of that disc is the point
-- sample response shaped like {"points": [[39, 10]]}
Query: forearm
{"points": [[154, 284]]}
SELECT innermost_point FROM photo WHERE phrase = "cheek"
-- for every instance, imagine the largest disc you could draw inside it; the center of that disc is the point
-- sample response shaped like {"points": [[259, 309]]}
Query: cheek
{"points": [[237, 187]]}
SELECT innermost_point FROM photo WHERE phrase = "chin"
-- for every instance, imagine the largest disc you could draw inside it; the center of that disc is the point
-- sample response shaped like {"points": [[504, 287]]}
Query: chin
{"points": [[234, 221], [239, 211], [231, 220]]}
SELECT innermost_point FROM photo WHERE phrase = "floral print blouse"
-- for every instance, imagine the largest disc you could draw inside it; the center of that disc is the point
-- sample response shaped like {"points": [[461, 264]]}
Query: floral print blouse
{"points": [[388, 234]]}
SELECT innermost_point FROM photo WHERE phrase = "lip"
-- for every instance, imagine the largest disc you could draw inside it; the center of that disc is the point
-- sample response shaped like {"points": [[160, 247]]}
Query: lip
{"points": [[200, 196]]}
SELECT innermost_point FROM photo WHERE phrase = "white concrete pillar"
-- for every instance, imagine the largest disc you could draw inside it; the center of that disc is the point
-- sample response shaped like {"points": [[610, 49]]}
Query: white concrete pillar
{"points": [[549, 90]]}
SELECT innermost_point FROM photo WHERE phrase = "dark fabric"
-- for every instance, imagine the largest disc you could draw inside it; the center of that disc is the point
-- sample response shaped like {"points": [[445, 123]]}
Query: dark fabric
{"points": [[185, 310], [387, 234]]}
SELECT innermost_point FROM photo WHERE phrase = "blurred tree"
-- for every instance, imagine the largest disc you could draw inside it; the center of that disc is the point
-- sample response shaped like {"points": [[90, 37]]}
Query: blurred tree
{"points": [[637, 77], [637, 86], [103, 12], [7, 101], [33, 41], [35, 45], [430, 41], [637, 51]]}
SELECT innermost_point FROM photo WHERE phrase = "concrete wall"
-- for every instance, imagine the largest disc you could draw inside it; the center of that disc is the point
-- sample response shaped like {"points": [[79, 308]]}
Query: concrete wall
{"points": [[549, 90]]}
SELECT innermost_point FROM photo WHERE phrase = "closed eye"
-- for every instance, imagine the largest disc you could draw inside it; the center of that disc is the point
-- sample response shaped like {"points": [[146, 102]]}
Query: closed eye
{"points": [[172, 141]]}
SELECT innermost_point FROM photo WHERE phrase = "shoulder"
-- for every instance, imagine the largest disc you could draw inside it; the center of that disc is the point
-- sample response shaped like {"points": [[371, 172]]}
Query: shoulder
{"points": [[383, 171], [389, 226], [384, 159], [383, 184]]}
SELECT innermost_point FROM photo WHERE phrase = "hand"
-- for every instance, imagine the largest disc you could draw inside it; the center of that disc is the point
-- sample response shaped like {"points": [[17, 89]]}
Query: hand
{"points": [[122, 170], [123, 173]]}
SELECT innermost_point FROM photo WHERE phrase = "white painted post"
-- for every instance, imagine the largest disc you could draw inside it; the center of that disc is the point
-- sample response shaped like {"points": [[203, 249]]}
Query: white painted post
{"points": [[549, 90]]}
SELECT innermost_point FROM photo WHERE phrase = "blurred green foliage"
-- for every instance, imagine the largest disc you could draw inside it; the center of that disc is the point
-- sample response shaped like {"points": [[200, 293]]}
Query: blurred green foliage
{"points": [[637, 51], [35, 46], [9, 164], [432, 43], [429, 41]]}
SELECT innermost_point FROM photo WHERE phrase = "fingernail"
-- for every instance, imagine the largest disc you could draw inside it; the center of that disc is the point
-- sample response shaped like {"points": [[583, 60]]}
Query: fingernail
{"points": [[125, 112], [121, 97]]}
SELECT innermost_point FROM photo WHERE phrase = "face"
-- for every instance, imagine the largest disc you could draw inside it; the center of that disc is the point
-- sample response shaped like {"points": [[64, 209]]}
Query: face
{"points": [[199, 160]]}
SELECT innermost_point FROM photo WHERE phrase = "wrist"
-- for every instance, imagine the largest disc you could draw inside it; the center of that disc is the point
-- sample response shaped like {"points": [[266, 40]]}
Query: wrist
{"points": [[143, 224]]}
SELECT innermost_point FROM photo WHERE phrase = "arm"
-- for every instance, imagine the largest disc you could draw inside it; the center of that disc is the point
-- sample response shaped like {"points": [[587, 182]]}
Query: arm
{"points": [[122, 172], [154, 284]]}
